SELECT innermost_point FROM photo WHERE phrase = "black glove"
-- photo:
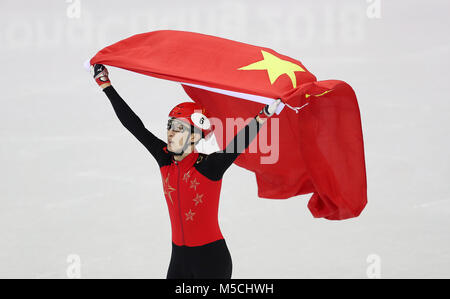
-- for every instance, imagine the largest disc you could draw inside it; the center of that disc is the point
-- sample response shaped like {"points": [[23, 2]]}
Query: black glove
{"points": [[101, 74]]}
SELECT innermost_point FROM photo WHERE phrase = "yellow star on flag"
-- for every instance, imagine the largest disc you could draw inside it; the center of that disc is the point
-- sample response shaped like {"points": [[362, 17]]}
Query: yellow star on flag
{"points": [[317, 95], [275, 67]]}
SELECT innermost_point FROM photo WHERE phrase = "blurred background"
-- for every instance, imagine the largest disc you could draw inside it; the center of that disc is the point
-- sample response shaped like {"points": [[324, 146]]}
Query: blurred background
{"points": [[78, 189]]}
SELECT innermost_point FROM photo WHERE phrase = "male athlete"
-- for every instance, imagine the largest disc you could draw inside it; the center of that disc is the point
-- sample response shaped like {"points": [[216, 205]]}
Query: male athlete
{"points": [[191, 180]]}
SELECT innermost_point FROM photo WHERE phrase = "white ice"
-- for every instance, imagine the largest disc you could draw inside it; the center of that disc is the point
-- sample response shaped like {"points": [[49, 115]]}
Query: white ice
{"points": [[75, 182]]}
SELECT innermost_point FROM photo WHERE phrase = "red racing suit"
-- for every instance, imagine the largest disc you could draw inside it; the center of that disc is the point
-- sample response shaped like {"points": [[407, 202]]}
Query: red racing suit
{"points": [[193, 202], [192, 185]]}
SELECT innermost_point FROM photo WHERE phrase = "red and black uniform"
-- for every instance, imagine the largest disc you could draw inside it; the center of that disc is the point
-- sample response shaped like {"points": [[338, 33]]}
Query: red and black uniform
{"points": [[192, 190]]}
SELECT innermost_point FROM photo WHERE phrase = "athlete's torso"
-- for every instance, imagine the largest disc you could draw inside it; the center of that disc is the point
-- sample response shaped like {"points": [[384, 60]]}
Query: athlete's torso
{"points": [[192, 200], [191, 186]]}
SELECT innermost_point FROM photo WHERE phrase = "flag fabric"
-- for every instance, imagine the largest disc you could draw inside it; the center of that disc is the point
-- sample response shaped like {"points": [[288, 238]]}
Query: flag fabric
{"points": [[317, 130]]}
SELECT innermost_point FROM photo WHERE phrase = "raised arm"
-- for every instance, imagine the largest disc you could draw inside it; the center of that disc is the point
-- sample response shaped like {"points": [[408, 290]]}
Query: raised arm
{"points": [[128, 118], [217, 163]]}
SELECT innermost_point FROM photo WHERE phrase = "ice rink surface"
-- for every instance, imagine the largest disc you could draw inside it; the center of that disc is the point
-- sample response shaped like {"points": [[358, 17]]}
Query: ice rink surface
{"points": [[75, 183]]}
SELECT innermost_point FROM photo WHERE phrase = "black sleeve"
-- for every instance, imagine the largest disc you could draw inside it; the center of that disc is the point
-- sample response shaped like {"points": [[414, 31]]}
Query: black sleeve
{"points": [[136, 127], [214, 165]]}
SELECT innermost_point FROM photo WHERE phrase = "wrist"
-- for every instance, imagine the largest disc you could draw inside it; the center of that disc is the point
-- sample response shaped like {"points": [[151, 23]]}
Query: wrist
{"points": [[103, 86], [260, 120]]}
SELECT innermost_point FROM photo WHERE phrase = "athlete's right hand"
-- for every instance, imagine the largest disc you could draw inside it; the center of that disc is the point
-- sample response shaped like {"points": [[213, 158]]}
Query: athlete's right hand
{"points": [[101, 75]]}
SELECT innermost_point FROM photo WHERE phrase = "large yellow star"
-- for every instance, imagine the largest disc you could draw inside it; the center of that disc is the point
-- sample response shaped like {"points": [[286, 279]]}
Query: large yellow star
{"points": [[275, 67]]}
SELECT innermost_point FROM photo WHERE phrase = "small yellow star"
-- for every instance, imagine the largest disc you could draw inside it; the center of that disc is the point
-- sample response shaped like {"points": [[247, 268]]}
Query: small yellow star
{"points": [[194, 184], [186, 176], [275, 67], [318, 95], [189, 215], [198, 199]]}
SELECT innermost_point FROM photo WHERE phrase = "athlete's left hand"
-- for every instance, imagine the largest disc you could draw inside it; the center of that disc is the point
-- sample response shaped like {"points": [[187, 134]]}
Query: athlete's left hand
{"points": [[270, 109], [100, 74]]}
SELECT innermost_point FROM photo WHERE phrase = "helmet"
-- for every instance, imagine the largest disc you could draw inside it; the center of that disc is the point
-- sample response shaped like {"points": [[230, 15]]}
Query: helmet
{"points": [[193, 114]]}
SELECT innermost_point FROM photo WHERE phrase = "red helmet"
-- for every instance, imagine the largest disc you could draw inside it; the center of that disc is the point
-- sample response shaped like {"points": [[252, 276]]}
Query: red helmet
{"points": [[193, 114]]}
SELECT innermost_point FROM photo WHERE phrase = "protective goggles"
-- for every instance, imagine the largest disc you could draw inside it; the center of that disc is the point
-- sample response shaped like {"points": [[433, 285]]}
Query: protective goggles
{"points": [[176, 126]]}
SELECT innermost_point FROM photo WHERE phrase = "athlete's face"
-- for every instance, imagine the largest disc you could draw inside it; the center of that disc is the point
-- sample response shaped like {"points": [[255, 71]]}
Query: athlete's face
{"points": [[177, 134]]}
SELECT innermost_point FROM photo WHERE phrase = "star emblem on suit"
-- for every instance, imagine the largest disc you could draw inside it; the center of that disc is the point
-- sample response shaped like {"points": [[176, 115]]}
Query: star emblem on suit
{"points": [[168, 189], [189, 215], [186, 176], [198, 199], [194, 184]]}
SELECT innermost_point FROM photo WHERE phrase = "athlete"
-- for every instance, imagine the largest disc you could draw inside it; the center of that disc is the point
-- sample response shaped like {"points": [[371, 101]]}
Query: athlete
{"points": [[191, 180]]}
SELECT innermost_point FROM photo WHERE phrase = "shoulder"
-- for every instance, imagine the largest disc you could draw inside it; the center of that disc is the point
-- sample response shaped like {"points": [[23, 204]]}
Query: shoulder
{"points": [[163, 156], [201, 158], [205, 166]]}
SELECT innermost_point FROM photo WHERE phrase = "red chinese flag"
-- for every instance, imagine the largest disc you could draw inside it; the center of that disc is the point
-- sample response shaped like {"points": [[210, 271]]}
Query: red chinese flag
{"points": [[319, 147]]}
